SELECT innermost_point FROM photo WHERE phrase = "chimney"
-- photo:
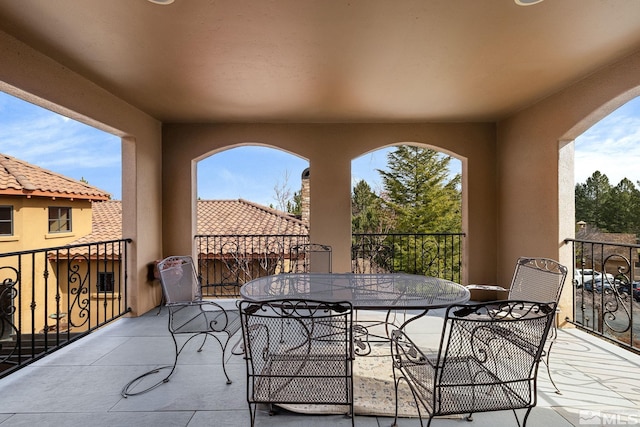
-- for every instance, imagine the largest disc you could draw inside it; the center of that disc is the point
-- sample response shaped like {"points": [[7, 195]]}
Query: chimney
{"points": [[305, 196]]}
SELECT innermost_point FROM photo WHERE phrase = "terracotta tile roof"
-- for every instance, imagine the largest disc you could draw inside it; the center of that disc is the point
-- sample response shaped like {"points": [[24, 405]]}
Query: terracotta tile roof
{"points": [[106, 225], [599, 252], [19, 178], [244, 217], [215, 217], [263, 229], [106, 222]]}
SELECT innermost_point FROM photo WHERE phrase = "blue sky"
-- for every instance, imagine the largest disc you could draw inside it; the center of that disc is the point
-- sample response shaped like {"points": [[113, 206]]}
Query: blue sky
{"points": [[611, 146], [62, 145], [224, 175], [65, 146]]}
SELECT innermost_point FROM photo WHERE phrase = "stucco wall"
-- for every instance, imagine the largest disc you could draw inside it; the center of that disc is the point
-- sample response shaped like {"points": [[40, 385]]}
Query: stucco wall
{"points": [[31, 223], [535, 165], [517, 174], [330, 148]]}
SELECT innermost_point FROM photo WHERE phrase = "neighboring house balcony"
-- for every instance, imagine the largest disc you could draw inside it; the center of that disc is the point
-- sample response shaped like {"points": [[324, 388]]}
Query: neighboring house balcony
{"points": [[51, 297]]}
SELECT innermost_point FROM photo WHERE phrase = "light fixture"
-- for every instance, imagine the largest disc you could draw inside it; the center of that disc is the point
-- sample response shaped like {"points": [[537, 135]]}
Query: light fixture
{"points": [[163, 2], [527, 2]]}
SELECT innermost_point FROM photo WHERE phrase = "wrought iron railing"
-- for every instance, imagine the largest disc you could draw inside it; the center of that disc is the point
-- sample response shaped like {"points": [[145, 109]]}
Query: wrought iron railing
{"points": [[226, 262], [606, 290], [431, 254], [51, 297]]}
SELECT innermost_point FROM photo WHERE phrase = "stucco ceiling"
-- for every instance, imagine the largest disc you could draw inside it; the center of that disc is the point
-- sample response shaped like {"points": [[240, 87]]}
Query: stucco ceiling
{"points": [[328, 60]]}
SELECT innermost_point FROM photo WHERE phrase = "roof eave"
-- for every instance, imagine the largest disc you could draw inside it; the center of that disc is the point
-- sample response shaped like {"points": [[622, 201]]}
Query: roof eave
{"points": [[52, 195]]}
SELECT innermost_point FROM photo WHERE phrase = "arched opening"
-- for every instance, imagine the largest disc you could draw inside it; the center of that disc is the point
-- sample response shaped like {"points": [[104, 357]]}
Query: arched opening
{"points": [[249, 215], [605, 274], [606, 172], [62, 189], [407, 211], [264, 175]]}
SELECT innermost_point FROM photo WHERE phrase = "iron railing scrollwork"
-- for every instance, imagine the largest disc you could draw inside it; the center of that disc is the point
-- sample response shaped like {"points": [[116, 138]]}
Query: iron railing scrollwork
{"points": [[431, 254], [606, 290], [8, 294], [226, 262], [50, 297]]}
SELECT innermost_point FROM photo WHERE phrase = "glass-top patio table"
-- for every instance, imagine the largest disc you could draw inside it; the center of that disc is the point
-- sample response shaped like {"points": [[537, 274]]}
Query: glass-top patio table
{"points": [[389, 292]]}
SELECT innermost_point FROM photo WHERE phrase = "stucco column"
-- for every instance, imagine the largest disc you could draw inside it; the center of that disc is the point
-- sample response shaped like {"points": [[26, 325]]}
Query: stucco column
{"points": [[567, 213], [330, 213]]}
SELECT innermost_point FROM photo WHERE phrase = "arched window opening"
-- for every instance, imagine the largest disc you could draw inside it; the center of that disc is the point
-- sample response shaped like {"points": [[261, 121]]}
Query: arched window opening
{"points": [[262, 175], [249, 216], [407, 212]]}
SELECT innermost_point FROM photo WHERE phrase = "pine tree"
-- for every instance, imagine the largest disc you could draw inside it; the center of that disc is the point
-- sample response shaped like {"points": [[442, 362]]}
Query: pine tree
{"points": [[420, 191], [367, 212], [591, 199], [621, 210], [424, 199], [294, 206]]}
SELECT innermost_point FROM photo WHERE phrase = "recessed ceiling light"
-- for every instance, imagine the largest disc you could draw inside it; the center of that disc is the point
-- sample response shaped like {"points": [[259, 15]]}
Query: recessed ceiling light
{"points": [[527, 2], [162, 1]]}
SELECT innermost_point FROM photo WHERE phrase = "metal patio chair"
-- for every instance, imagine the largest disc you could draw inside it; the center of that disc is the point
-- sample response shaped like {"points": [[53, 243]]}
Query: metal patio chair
{"points": [[298, 352], [487, 360], [189, 315], [310, 257], [535, 279]]}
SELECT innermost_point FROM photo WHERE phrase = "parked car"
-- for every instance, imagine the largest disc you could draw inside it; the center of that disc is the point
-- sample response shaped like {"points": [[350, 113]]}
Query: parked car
{"points": [[634, 286], [598, 283], [580, 276]]}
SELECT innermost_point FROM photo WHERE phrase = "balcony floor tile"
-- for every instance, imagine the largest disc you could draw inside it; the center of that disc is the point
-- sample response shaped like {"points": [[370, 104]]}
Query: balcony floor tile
{"points": [[80, 384]]}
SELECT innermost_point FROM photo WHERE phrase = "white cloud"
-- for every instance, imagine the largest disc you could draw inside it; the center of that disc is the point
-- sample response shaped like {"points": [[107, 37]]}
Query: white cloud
{"points": [[63, 145], [611, 146]]}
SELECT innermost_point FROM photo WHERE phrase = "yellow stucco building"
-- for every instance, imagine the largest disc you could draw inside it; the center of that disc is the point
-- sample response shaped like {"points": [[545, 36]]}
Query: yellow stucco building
{"points": [[44, 287]]}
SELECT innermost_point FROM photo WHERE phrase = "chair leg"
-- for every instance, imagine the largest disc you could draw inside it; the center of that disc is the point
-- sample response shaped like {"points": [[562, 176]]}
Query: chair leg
{"points": [[238, 347], [524, 420], [253, 408], [204, 340], [224, 351], [223, 348], [415, 399], [396, 384], [351, 413], [175, 360], [547, 363]]}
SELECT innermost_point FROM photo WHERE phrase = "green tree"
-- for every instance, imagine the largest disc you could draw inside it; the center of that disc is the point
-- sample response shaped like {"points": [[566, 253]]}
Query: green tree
{"points": [[621, 212], [294, 206], [367, 212], [424, 198], [421, 192], [591, 199]]}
